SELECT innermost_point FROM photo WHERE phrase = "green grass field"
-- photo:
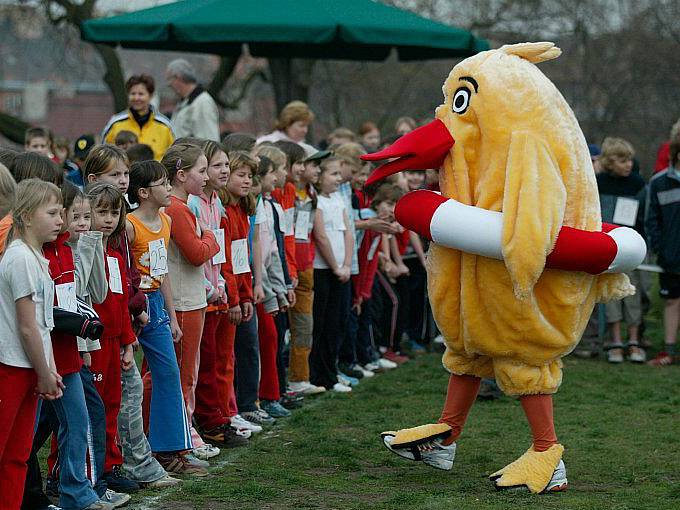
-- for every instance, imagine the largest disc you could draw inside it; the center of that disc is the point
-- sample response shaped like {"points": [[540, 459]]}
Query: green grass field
{"points": [[619, 425]]}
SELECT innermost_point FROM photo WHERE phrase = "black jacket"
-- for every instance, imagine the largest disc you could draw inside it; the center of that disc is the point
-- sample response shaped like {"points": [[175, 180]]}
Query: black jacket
{"points": [[662, 219]]}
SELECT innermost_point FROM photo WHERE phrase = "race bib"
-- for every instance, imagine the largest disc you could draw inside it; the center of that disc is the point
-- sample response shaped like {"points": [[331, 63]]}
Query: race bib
{"points": [[158, 258], [282, 217], [115, 280], [290, 221], [625, 212], [66, 296], [220, 257], [302, 225], [239, 256]]}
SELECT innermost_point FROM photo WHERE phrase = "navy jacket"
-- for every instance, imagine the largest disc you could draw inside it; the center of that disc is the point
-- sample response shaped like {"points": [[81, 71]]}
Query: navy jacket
{"points": [[662, 219]]}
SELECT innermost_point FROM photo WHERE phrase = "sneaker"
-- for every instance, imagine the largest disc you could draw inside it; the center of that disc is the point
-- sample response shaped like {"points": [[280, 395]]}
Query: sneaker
{"points": [[258, 418], [52, 487], [366, 373], [615, 355], [341, 388], [205, 452], [115, 499], [275, 409], [433, 453], [558, 482], [347, 380], [439, 339], [305, 388], [416, 348], [118, 482], [399, 359], [350, 371], [238, 423], [636, 354], [162, 483], [194, 461], [179, 464], [662, 359], [292, 400], [373, 366], [99, 505], [225, 436], [386, 364]]}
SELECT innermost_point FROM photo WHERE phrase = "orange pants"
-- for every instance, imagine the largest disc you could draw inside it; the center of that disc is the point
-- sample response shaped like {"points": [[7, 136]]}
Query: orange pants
{"points": [[301, 326], [224, 366], [461, 395]]}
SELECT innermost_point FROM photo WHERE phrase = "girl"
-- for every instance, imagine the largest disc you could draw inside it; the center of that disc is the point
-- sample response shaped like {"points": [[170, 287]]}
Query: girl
{"points": [[148, 230], [192, 244], [334, 247], [240, 205], [108, 207], [274, 288], [27, 367], [301, 320], [109, 164], [207, 207]]}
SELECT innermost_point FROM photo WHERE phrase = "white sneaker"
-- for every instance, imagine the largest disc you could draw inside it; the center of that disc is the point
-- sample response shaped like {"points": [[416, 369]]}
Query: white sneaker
{"points": [[637, 354], [439, 339], [115, 499], [205, 452], [373, 367], [386, 364], [341, 388], [305, 388], [558, 482], [433, 453], [615, 354], [367, 373], [238, 423]]}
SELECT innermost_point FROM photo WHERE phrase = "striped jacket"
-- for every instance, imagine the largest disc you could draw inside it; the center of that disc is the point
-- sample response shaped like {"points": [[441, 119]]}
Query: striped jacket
{"points": [[157, 132]]}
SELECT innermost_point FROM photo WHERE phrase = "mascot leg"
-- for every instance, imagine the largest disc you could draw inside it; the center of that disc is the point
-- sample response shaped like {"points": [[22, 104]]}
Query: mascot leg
{"points": [[541, 468], [435, 444]]}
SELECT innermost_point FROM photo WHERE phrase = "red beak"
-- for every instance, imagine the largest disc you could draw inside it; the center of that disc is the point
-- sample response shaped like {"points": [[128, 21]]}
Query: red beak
{"points": [[421, 149]]}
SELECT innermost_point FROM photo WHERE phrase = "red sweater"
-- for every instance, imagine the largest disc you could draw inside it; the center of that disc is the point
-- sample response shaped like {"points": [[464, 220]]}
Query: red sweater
{"points": [[362, 283], [286, 197], [136, 298], [238, 226], [196, 250], [113, 312], [62, 271]]}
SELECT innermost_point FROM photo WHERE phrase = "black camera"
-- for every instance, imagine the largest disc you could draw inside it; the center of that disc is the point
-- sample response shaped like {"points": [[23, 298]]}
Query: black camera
{"points": [[84, 323]]}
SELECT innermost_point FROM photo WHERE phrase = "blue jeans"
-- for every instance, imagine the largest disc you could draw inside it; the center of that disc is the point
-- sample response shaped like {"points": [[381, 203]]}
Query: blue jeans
{"points": [[169, 429], [97, 415], [247, 366], [76, 491]]}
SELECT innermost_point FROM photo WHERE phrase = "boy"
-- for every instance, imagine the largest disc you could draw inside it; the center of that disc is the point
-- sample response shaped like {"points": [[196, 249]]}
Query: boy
{"points": [[619, 187], [37, 140], [662, 221]]}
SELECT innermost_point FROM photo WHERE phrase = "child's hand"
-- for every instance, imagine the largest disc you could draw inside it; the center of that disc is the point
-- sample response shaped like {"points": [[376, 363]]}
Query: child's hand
{"points": [[127, 358], [403, 269], [174, 329], [247, 309], [223, 295], [142, 319], [235, 315], [258, 293], [342, 272], [49, 387], [295, 282], [292, 299], [382, 226], [356, 307], [87, 359]]}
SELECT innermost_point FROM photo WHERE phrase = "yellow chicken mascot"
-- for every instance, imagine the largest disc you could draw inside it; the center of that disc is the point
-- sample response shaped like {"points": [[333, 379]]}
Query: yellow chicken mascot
{"points": [[514, 150]]}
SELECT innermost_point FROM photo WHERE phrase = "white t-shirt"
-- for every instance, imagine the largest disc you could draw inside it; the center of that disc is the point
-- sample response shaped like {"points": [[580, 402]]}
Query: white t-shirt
{"points": [[333, 209], [24, 272]]}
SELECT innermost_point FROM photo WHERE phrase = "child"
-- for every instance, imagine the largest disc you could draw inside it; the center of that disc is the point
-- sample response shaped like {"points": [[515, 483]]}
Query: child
{"points": [[38, 140], [662, 225], [125, 139], [108, 209], [275, 291], [27, 366], [139, 152], [618, 188], [192, 243], [242, 327], [207, 207], [301, 318], [109, 164], [148, 231], [334, 248]]}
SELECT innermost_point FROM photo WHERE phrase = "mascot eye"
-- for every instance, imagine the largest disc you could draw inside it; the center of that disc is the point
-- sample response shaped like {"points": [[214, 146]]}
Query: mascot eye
{"points": [[461, 100]]}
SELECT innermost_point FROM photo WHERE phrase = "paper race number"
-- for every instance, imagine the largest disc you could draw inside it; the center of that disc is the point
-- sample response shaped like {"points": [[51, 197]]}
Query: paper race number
{"points": [[158, 258]]}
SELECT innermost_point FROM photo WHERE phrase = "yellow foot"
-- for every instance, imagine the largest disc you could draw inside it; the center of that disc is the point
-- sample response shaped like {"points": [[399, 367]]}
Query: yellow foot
{"points": [[406, 438], [538, 471]]}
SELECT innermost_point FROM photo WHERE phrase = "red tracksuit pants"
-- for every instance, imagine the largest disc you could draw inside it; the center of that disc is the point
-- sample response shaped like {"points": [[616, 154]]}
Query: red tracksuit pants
{"points": [[208, 412], [105, 370], [18, 405], [224, 367], [269, 342]]}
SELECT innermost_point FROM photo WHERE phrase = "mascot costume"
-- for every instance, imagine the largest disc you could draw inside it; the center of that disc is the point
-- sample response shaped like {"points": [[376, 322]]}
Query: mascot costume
{"points": [[519, 256]]}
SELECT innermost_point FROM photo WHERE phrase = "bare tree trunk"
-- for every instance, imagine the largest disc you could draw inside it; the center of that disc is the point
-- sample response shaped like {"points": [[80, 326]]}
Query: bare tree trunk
{"points": [[222, 74], [113, 77], [290, 79], [13, 128]]}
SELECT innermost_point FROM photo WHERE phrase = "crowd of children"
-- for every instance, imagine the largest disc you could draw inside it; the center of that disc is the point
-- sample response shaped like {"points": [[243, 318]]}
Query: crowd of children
{"points": [[247, 276]]}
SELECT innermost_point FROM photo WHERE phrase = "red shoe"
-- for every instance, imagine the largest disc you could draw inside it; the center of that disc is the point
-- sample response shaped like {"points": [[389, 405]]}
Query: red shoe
{"points": [[662, 359], [399, 359]]}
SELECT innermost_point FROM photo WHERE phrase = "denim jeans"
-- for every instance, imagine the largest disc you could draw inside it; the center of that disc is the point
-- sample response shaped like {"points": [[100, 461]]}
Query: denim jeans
{"points": [[97, 416], [169, 428], [247, 368]]}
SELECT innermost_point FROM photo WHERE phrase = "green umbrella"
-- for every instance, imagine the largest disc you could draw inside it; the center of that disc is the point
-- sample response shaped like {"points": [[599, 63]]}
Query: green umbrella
{"points": [[329, 29]]}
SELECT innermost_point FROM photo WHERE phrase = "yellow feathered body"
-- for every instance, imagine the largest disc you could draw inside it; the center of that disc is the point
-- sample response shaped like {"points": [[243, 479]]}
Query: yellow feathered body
{"points": [[518, 149]]}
